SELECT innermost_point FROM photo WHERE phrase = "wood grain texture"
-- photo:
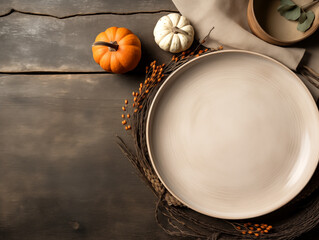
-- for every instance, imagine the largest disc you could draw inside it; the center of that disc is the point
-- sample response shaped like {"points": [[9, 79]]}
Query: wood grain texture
{"points": [[62, 8], [60, 163], [37, 43]]}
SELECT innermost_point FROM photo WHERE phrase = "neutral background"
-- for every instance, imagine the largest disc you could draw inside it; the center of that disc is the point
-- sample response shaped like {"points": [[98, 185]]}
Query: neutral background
{"points": [[62, 175]]}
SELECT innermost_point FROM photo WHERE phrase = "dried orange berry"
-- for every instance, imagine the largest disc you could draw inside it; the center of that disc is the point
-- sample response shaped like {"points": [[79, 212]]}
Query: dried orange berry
{"points": [[206, 50], [140, 107], [251, 228], [135, 110], [126, 128], [126, 102], [123, 108], [128, 116], [245, 224], [123, 116], [256, 234], [266, 231], [133, 93], [197, 55], [200, 51], [238, 227], [129, 127], [147, 91], [258, 229], [250, 232], [243, 232], [133, 105], [256, 225], [141, 85], [124, 122], [220, 47], [135, 98]]}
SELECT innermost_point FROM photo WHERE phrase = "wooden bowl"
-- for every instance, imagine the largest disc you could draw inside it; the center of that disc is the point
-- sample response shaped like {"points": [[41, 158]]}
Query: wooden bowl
{"points": [[266, 22]]}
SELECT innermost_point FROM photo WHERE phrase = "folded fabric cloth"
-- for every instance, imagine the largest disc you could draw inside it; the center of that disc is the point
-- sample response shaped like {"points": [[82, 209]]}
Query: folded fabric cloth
{"points": [[229, 19]]}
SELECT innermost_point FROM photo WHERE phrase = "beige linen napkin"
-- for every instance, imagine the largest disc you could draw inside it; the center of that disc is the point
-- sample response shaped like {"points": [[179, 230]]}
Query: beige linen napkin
{"points": [[231, 29], [229, 19]]}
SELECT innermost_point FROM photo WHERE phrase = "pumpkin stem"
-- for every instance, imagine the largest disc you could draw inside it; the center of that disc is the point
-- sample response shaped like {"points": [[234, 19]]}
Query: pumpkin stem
{"points": [[178, 30], [113, 46]]}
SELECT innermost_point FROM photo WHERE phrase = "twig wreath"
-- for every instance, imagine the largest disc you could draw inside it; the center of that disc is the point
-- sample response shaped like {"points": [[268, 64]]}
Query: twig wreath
{"points": [[299, 216]]}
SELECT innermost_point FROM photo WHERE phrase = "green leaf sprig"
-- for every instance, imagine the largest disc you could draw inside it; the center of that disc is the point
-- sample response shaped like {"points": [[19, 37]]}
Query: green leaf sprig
{"points": [[293, 12]]}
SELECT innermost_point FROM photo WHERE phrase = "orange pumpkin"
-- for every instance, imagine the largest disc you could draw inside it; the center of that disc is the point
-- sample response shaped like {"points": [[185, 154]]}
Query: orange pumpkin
{"points": [[117, 50]]}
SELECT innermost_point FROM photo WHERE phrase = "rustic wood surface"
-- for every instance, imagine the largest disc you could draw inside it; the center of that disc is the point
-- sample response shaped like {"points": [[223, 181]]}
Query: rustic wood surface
{"points": [[28, 41], [60, 164], [62, 8], [62, 175]]}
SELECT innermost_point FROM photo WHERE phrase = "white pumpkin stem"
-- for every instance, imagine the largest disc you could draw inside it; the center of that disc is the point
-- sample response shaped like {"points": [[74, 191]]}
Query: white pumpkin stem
{"points": [[178, 30], [113, 46]]}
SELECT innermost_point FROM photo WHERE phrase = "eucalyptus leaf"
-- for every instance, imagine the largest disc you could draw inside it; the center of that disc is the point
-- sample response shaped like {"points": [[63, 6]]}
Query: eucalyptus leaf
{"points": [[284, 8], [302, 27], [302, 17], [287, 2], [292, 14]]}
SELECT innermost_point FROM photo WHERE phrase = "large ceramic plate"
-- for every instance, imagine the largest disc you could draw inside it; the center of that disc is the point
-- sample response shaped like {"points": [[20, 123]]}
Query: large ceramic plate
{"points": [[233, 134]]}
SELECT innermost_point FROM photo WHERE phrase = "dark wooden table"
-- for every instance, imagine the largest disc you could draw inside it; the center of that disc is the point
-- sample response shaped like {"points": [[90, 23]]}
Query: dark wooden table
{"points": [[62, 175]]}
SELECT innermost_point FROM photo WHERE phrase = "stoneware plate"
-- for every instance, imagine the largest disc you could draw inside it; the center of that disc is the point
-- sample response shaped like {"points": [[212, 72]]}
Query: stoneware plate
{"points": [[233, 134]]}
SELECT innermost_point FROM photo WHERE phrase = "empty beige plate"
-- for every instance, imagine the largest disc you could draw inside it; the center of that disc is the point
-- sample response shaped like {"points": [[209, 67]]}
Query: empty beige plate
{"points": [[233, 134]]}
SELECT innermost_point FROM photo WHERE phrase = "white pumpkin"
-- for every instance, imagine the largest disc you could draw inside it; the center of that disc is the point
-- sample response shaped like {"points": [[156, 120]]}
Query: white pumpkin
{"points": [[173, 33]]}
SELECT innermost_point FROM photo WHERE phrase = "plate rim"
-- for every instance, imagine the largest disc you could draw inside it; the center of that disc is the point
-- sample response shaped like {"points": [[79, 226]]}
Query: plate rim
{"points": [[149, 115]]}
